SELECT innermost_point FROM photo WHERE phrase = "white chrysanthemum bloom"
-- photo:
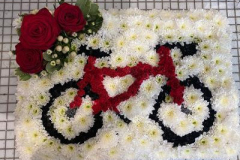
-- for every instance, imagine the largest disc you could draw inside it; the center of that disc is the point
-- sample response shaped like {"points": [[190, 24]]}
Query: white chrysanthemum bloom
{"points": [[162, 152], [35, 136], [70, 93], [105, 44], [217, 140], [82, 123], [176, 54], [50, 145], [181, 72], [123, 26], [224, 101], [36, 112], [200, 109], [154, 133], [133, 60], [231, 151], [59, 76], [201, 26], [191, 95], [42, 99], [109, 117], [186, 152], [69, 150], [197, 123], [184, 24], [102, 62], [114, 153], [220, 21], [139, 49], [108, 138], [161, 79], [169, 25], [86, 106], [223, 130], [60, 101], [110, 23], [168, 112], [219, 59], [233, 119], [127, 138], [27, 151], [202, 142], [68, 131], [183, 127], [118, 60], [138, 125], [211, 81], [93, 42], [117, 85], [207, 68], [193, 64], [157, 25], [206, 57], [221, 115], [128, 108], [76, 73], [150, 87], [148, 25], [152, 58], [210, 36], [143, 105], [81, 60], [76, 43], [125, 83], [22, 87], [205, 46], [168, 36]]}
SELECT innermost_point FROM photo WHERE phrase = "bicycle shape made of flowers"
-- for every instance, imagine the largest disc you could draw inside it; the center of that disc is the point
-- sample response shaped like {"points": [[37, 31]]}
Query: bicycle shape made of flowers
{"points": [[92, 85]]}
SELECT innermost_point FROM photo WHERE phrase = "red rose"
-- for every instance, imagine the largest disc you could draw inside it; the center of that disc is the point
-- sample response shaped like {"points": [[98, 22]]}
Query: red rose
{"points": [[29, 60], [70, 17], [39, 31]]}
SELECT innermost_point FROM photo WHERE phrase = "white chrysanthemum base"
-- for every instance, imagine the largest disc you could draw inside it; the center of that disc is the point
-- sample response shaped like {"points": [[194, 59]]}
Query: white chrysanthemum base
{"points": [[131, 35]]}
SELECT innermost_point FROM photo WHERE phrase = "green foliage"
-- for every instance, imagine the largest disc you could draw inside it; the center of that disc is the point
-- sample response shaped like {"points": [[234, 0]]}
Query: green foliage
{"points": [[50, 68], [47, 57], [92, 15], [60, 1], [23, 76], [18, 30]]}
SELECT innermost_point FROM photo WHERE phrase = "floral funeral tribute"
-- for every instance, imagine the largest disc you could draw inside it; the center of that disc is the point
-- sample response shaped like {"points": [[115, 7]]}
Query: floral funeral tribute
{"points": [[124, 85]]}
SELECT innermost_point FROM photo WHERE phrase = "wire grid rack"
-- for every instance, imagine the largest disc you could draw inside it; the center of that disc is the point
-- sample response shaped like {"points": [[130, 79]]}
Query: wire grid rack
{"points": [[9, 9]]}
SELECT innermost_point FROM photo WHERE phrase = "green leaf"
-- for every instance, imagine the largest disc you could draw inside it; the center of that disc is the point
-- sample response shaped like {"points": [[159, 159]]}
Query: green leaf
{"points": [[50, 68], [86, 8], [94, 9], [47, 57], [18, 31], [81, 3], [91, 13], [84, 5], [23, 76], [60, 1]]}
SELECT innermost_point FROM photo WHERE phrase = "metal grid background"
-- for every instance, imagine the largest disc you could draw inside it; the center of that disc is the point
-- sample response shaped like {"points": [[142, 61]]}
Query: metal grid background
{"points": [[9, 10]]}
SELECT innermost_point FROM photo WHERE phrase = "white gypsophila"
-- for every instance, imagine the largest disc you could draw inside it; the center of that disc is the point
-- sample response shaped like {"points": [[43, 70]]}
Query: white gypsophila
{"points": [[17, 23], [129, 37]]}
